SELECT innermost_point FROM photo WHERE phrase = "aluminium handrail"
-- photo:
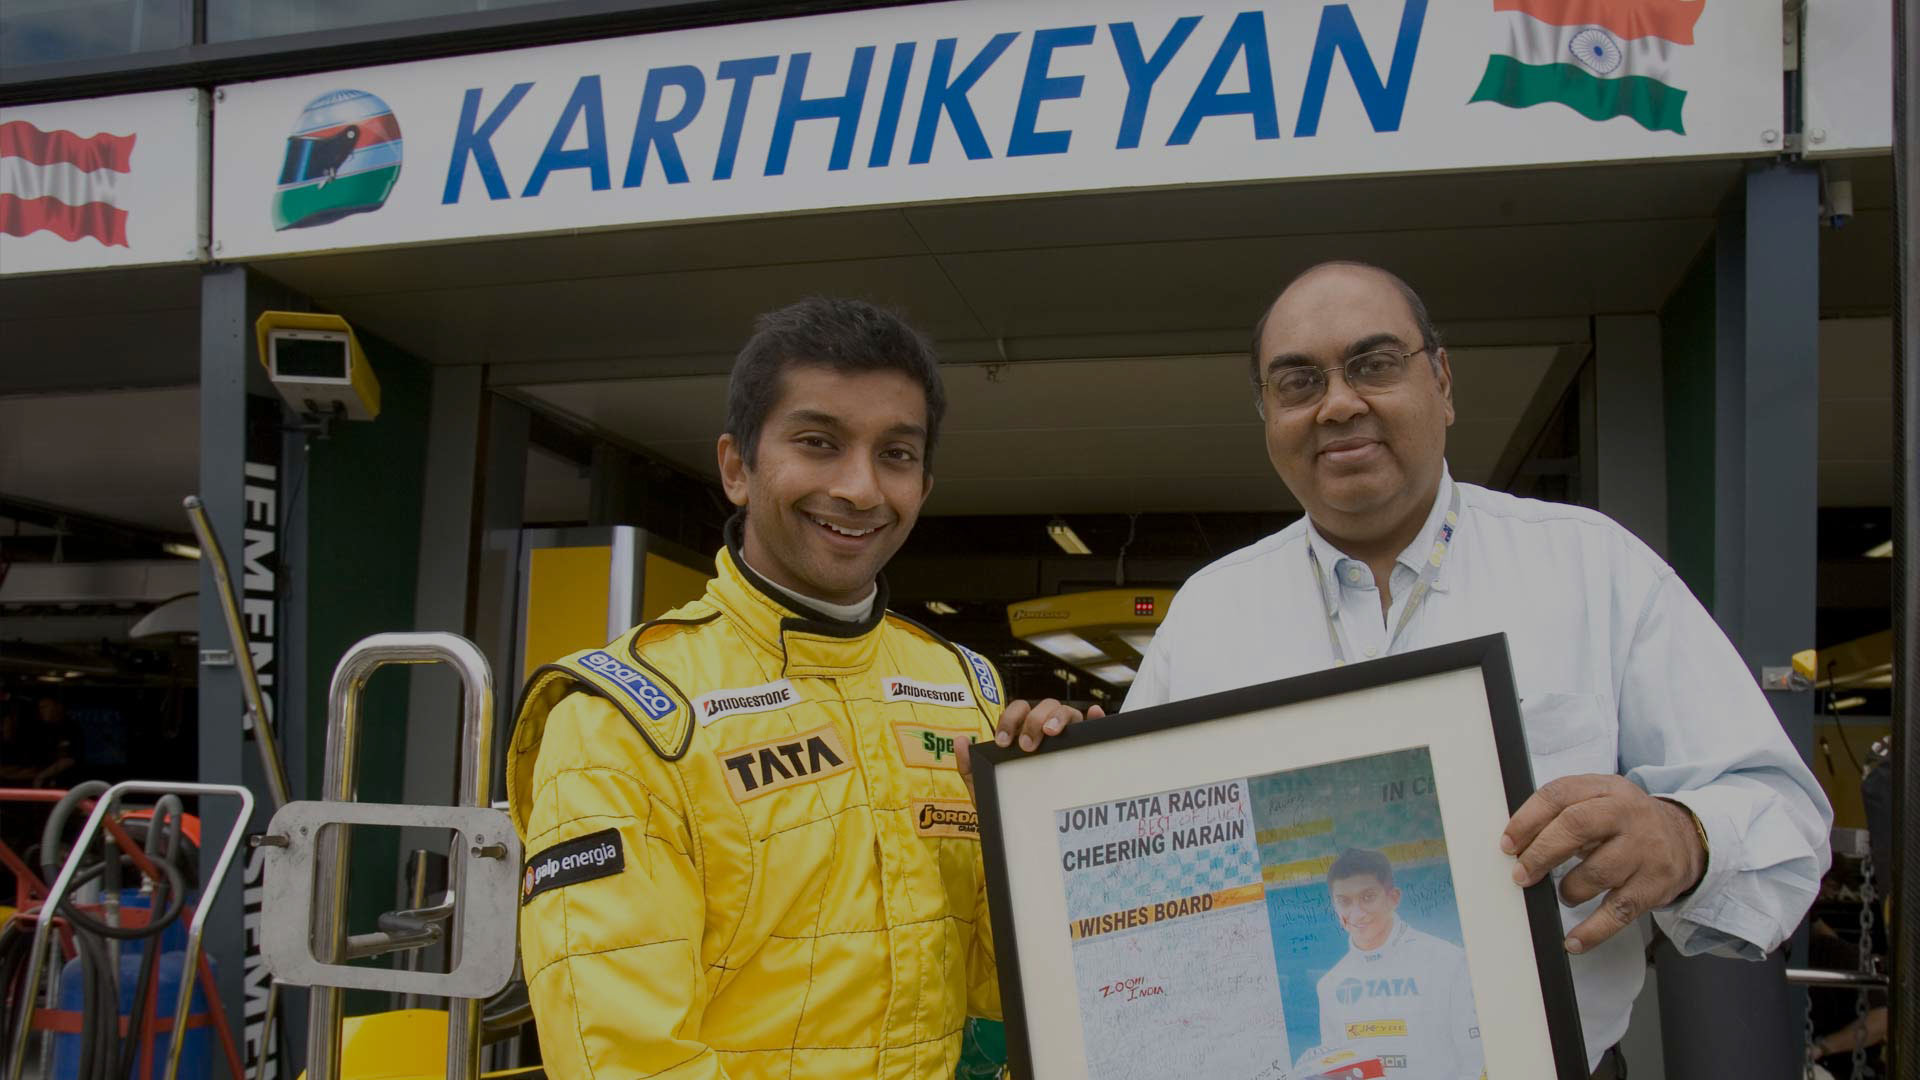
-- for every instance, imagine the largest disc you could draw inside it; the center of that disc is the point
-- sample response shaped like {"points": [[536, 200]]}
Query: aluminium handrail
{"points": [[340, 784]]}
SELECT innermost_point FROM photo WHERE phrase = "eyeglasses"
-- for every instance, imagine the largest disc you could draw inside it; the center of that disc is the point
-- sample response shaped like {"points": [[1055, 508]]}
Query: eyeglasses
{"points": [[1368, 373]]}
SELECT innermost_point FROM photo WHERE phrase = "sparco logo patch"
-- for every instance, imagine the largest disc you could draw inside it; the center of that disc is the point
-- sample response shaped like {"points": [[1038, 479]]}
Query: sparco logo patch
{"points": [[983, 671], [746, 699], [766, 767], [946, 817], [595, 855], [644, 691], [924, 747], [901, 688]]}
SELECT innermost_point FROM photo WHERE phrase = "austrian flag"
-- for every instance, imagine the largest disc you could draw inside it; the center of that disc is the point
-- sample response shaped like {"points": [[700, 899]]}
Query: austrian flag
{"points": [[62, 183], [1600, 58]]}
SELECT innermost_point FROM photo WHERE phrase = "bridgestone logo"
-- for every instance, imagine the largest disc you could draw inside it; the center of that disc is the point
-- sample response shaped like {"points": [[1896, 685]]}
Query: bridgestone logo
{"points": [[746, 699], [897, 688]]}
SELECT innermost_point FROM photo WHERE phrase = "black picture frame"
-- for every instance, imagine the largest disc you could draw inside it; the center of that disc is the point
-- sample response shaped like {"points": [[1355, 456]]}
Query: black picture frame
{"points": [[1489, 655]]}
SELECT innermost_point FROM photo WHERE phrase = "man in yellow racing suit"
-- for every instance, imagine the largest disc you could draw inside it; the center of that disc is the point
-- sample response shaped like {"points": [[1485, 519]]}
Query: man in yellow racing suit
{"points": [[751, 851]]}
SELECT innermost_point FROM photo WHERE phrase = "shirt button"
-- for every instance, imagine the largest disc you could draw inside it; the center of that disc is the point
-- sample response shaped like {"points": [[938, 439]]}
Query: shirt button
{"points": [[1353, 575], [1371, 653]]}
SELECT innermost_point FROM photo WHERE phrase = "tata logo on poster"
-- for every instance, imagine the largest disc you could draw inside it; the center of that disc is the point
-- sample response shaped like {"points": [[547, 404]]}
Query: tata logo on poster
{"points": [[1351, 991], [343, 158]]}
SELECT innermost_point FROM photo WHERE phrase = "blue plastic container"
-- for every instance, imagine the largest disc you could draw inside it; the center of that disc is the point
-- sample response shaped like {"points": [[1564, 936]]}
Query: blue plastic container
{"points": [[196, 1057]]}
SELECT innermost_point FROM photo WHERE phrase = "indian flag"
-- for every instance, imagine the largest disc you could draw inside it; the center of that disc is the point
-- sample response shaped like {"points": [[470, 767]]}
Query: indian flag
{"points": [[1600, 58]]}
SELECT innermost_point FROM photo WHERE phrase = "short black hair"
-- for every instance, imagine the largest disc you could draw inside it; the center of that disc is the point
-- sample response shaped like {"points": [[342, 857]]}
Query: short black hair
{"points": [[1354, 862], [1429, 334], [847, 336]]}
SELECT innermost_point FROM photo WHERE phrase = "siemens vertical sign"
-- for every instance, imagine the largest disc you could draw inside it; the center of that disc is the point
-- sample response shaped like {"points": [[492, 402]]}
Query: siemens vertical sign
{"points": [[983, 99], [260, 616]]}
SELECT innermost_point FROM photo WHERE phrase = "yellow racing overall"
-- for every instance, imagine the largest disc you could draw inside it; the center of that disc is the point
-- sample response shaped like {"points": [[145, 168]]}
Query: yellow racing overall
{"points": [[749, 851]]}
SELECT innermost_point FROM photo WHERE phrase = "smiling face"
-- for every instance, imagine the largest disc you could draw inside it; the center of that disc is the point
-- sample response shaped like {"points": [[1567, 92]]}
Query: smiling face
{"points": [[1363, 467], [838, 479], [1365, 906]]}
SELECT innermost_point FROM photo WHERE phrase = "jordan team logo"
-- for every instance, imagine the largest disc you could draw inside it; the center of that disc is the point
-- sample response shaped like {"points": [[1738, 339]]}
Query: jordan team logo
{"points": [[952, 818], [342, 158]]}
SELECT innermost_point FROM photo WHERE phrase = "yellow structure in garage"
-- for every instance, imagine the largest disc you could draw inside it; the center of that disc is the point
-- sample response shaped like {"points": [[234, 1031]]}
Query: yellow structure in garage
{"points": [[1103, 633], [569, 594]]}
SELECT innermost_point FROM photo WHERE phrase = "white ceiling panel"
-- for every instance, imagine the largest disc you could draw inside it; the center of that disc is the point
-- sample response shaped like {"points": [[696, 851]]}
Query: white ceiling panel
{"points": [[130, 455], [665, 313], [1140, 433]]}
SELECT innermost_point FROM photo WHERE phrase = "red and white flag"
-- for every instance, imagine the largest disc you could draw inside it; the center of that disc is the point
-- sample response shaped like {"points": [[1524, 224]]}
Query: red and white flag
{"points": [[62, 183]]}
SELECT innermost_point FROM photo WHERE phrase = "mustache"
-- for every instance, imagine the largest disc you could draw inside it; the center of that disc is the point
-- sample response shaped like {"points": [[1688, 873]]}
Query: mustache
{"points": [[1329, 438]]}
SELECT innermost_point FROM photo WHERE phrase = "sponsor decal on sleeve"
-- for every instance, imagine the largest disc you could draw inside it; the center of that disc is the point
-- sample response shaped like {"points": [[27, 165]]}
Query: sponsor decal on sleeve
{"points": [[924, 747], [983, 673], [955, 818], [763, 768], [645, 693], [595, 855], [721, 704], [901, 688]]}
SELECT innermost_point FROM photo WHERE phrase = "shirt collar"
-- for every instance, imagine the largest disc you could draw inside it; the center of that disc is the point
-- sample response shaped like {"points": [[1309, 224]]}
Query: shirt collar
{"points": [[1413, 558], [806, 639], [1394, 933]]}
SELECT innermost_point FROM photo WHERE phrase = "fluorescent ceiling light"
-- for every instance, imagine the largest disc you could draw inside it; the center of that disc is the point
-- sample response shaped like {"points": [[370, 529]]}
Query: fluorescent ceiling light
{"points": [[184, 551], [1069, 647], [1068, 540], [941, 607], [1140, 640], [1117, 674], [1848, 703], [1065, 676], [1881, 550]]}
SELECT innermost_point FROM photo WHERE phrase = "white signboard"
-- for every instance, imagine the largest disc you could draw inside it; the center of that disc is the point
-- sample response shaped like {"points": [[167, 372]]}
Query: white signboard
{"points": [[115, 181], [1847, 72], [980, 99]]}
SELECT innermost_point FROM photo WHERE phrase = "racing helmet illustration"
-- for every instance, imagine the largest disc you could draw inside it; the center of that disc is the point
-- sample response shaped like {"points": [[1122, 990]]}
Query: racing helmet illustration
{"points": [[342, 158]]}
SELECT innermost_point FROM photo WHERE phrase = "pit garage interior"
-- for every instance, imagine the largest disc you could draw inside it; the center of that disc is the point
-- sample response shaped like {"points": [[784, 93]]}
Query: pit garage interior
{"points": [[1094, 351]]}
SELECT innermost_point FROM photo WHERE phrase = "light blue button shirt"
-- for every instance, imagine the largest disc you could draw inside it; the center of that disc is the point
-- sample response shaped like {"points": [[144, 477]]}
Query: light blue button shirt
{"points": [[1619, 670]]}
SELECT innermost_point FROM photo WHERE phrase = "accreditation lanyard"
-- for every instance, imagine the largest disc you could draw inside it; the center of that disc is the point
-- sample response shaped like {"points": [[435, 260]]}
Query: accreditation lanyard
{"points": [[1421, 586]]}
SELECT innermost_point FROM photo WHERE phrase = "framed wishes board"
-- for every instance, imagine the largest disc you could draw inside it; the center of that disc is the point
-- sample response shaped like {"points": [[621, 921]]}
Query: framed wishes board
{"points": [[1285, 882]]}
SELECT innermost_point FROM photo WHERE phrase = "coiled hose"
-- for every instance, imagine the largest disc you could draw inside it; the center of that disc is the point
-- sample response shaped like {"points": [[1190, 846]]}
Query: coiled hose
{"points": [[103, 1054]]}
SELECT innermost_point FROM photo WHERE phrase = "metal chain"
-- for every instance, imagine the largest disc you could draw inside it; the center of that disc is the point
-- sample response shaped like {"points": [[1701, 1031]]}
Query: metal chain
{"points": [[1807, 1073], [1861, 1070]]}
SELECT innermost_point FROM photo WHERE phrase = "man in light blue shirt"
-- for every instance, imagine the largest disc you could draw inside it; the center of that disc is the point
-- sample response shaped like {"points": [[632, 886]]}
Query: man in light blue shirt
{"points": [[1665, 783]]}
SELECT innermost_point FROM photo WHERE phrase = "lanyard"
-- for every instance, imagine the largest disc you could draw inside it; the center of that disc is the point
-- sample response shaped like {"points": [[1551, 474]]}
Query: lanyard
{"points": [[1421, 586]]}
